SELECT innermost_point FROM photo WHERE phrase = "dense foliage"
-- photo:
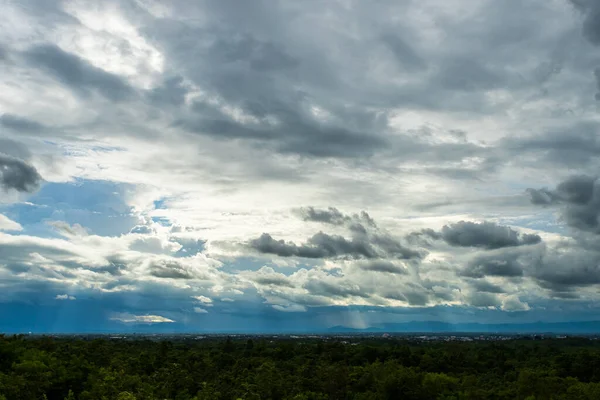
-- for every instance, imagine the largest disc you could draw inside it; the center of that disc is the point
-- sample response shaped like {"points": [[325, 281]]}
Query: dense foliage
{"points": [[300, 369]]}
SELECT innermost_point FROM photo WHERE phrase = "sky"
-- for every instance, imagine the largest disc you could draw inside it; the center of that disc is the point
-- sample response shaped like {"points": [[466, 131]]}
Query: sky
{"points": [[293, 166]]}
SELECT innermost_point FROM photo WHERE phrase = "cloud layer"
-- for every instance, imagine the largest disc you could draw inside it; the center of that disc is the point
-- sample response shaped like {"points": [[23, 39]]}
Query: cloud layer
{"points": [[219, 164]]}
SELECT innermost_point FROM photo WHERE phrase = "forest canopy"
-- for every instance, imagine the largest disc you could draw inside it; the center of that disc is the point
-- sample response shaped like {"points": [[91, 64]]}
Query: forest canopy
{"points": [[296, 369]]}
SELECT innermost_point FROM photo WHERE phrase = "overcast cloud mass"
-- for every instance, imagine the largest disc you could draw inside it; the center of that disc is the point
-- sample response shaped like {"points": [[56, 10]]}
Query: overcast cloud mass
{"points": [[278, 165]]}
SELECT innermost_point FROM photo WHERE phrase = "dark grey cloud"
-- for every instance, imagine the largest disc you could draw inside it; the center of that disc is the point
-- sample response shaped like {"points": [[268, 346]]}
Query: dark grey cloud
{"points": [[406, 56], [18, 175], [171, 92], [482, 299], [591, 28], [541, 196], [294, 133], [331, 215], [577, 189], [20, 124], [170, 269], [274, 279], [258, 55], [76, 73], [339, 289], [416, 298], [485, 286], [597, 76], [320, 245], [335, 245], [383, 266], [577, 146], [358, 223], [14, 149], [506, 264], [391, 246], [266, 244], [580, 198], [323, 245], [468, 74], [261, 78], [591, 22], [366, 241], [112, 268], [560, 269], [565, 269], [488, 235], [421, 237], [279, 76]]}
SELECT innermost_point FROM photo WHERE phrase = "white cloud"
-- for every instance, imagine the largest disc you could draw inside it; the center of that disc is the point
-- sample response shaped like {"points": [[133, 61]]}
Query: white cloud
{"points": [[227, 300], [141, 319], [514, 303], [200, 310], [290, 308], [7, 224], [68, 230], [203, 299], [64, 297]]}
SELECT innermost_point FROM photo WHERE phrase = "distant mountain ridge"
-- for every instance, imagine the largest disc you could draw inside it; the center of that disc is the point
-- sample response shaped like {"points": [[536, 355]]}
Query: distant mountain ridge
{"points": [[587, 327]]}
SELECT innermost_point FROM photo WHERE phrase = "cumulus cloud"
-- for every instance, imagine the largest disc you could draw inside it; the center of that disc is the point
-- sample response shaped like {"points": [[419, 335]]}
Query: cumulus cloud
{"points": [[203, 299], [200, 310], [514, 303], [366, 241]]}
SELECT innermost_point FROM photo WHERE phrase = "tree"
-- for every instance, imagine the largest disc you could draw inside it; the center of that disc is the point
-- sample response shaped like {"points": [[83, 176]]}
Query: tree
{"points": [[70, 396]]}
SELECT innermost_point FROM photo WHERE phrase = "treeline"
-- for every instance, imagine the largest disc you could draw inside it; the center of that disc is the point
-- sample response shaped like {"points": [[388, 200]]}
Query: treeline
{"points": [[301, 369]]}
